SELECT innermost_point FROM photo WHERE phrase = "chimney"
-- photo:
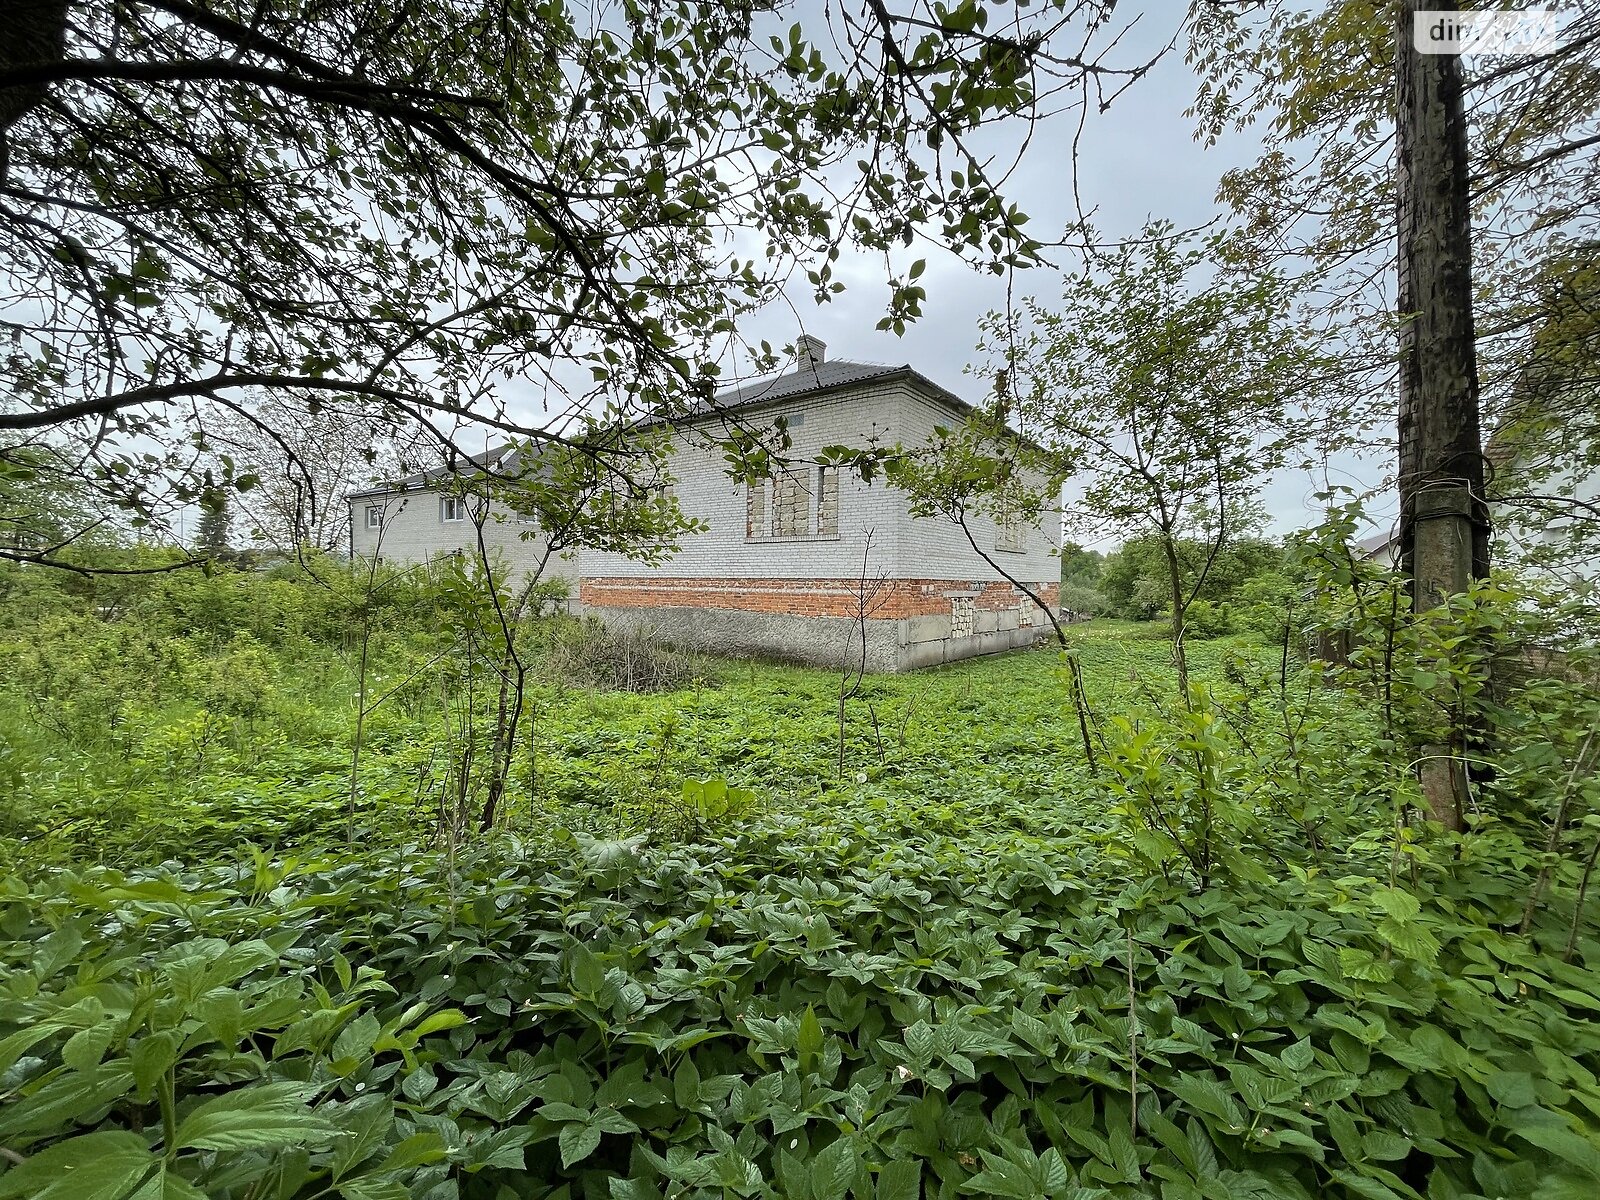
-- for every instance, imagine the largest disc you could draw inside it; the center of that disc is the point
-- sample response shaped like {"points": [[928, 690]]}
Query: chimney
{"points": [[809, 351]]}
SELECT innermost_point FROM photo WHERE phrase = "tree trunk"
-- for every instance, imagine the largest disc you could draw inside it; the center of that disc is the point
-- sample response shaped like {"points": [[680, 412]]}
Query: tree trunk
{"points": [[36, 34], [1444, 524], [507, 717]]}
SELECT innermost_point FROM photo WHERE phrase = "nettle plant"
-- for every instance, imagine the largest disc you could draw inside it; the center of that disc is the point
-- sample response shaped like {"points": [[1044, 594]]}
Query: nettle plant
{"points": [[849, 1003], [144, 1057]]}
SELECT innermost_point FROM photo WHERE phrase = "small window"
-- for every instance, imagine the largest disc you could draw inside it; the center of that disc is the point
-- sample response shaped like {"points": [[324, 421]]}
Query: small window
{"points": [[374, 516], [1011, 528], [452, 508]]}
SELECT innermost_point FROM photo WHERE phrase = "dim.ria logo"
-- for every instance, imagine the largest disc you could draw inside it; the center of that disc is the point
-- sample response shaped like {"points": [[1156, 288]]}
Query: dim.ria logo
{"points": [[1535, 31]]}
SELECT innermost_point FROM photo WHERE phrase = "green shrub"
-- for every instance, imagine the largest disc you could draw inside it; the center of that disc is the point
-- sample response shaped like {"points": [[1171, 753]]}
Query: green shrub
{"points": [[1203, 619], [1084, 601]]}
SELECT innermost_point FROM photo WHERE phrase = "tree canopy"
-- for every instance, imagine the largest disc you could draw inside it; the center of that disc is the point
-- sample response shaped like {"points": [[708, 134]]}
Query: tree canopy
{"points": [[1318, 83], [1169, 395], [534, 216]]}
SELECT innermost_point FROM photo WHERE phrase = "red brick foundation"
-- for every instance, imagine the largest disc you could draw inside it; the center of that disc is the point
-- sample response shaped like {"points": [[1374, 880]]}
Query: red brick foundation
{"points": [[807, 597]]}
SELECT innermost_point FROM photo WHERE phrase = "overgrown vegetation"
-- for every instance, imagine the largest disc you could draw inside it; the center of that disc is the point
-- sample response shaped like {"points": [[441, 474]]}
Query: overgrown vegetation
{"points": [[693, 959]]}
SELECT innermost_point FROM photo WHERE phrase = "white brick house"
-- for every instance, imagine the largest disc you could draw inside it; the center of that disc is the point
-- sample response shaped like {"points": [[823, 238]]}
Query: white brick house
{"points": [[779, 568]]}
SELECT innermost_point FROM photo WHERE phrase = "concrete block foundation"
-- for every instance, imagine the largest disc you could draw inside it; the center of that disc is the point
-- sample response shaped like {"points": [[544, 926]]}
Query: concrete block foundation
{"points": [[813, 623]]}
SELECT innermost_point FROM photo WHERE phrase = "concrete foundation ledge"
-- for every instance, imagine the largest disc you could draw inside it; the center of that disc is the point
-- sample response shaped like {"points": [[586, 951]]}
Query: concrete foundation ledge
{"points": [[812, 641]]}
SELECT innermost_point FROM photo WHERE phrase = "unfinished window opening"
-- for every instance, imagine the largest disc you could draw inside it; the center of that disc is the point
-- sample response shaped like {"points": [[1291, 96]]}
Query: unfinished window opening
{"points": [[791, 506], [963, 616], [1011, 529], [827, 501], [755, 510]]}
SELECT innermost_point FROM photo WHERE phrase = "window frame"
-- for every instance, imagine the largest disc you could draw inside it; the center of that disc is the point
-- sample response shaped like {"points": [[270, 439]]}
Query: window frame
{"points": [[374, 516], [1010, 528], [826, 516], [447, 504]]}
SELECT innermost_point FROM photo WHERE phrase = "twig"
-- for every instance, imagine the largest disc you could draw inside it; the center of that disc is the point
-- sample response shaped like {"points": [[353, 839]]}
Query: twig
{"points": [[1577, 906], [1557, 828]]}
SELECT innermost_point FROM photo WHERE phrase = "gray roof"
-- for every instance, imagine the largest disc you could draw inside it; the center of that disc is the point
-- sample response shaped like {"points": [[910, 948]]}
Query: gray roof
{"points": [[816, 378], [812, 377], [809, 379], [503, 460], [1377, 543]]}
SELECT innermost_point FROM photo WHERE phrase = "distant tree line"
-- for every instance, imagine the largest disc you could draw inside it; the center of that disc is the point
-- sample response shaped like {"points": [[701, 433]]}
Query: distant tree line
{"points": [[1250, 583]]}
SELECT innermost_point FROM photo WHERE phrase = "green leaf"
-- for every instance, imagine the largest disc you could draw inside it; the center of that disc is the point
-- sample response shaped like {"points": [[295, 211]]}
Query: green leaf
{"points": [[66, 1099], [919, 1043], [899, 1180], [364, 1125], [101, 1165], [374, 1189], [1002, 1177], [151, 1056], [418, 1150], [1300, 1055], [355, 1040], [449, 1018], [833, 1170], [1208, 1097], [1569, 1147], [259, 1118], [223, 1013], [1402, 906], [810, 1039], [55, 952], [1033, 1031], [19, 1043], [632, 1189], [686, 1084], [1514, 1089], [588, 976], [87, 1047], [176, 1187], [577, 1142]]}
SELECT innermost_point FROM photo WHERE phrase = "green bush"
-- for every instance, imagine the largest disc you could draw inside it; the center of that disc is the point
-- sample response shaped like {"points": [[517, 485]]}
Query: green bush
{"points": [[1203, 619], [1084, 602]]}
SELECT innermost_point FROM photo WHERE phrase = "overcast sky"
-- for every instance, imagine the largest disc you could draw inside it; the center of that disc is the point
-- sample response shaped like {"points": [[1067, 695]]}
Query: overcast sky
{"points": [[1137, 161]]}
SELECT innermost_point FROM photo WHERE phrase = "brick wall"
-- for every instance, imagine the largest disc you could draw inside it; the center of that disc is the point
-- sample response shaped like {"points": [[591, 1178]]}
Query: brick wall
{"points": [[902, 546], [810, 597]]}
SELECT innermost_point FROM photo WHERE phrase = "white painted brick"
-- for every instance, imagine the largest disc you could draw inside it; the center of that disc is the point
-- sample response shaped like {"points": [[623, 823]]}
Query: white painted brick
{"points": [[882, 413]]}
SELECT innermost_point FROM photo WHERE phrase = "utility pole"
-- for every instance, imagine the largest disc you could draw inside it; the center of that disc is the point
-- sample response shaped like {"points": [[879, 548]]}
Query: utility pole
{"points": [[1444, 520]]}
